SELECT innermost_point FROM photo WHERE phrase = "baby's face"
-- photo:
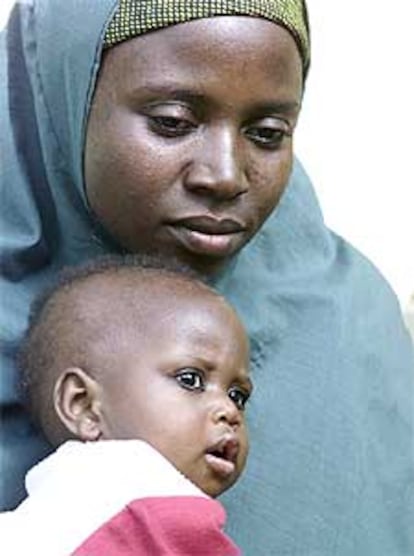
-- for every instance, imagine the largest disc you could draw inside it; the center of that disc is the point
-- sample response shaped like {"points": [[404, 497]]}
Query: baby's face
{"points": [[184, 387]]}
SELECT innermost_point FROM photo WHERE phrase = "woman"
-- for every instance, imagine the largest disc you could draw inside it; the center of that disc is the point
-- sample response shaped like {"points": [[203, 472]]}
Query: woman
{"points": [[183, 144]]}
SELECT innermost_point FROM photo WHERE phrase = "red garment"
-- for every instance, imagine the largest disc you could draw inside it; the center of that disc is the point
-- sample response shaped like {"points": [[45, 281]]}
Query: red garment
{"points": [[113, 498], [180, 525]]}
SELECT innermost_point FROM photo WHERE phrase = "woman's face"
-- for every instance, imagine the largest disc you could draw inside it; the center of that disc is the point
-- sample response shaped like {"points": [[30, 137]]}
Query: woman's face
{"points": [[189, 142]]}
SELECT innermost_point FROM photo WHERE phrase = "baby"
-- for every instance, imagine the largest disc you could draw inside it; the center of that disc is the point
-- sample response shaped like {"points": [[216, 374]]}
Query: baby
{"points": [[139, 373]]}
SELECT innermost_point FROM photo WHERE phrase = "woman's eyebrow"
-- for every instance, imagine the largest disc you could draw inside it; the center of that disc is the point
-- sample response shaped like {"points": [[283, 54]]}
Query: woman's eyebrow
{"points": [[289, 107], [169, 92], [192, 96]]}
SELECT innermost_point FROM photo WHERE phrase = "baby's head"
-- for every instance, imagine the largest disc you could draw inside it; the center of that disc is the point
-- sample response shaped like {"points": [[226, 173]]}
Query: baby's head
{"points": [[124, 349]]}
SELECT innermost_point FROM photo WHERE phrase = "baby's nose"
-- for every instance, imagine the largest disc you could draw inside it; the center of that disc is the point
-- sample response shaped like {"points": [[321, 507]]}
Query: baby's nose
{"points": [[226, 411]]}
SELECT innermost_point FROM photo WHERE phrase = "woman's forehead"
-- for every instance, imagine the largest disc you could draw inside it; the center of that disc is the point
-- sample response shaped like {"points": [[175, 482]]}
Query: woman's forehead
{"points": [[192, 56], [133, 18]]}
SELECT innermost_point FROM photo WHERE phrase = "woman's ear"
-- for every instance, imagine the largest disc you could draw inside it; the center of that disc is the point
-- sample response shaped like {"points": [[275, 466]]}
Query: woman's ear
{"points": [[76, 399]]}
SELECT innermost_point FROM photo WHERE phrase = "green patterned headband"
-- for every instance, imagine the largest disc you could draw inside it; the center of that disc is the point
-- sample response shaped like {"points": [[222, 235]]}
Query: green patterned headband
{"points": [[135, 17]]}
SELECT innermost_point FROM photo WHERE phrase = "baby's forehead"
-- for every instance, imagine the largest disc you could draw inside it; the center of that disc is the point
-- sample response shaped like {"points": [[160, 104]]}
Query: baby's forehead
{"points": [[106, 319], [131, 289], [132, 298]]}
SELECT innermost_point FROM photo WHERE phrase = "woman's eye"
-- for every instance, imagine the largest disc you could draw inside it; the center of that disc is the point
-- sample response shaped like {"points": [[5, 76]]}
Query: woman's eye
{"points": [[239, 397], [191, 379], [170, 126], [170, 118], [268, 136]]}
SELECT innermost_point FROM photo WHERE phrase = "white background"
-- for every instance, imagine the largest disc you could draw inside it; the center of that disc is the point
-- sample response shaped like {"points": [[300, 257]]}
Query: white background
{"points": [[356, 132]]}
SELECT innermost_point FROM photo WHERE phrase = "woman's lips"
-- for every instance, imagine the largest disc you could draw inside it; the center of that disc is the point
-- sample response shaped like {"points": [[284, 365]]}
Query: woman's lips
{"points": [[208, 236]]}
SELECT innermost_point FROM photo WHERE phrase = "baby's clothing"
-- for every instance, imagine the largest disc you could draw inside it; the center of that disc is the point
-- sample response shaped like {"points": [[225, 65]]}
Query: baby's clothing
{"points": [[113, 498]]}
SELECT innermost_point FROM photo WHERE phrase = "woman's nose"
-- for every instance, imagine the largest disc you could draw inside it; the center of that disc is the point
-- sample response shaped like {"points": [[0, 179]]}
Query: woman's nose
{"points": [[216, 168]]}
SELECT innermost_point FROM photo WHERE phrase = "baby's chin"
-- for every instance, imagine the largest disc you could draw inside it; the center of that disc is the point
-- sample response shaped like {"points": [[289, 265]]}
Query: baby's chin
{"points": [[215, 485]]}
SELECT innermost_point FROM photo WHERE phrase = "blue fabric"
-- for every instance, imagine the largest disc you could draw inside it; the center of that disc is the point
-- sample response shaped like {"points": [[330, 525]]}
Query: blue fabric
{"points": [[331, 471]]}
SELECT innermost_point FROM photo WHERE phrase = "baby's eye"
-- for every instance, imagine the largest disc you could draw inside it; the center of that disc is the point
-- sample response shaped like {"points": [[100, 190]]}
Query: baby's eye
{"points": [[239, 397], [191, 379]]}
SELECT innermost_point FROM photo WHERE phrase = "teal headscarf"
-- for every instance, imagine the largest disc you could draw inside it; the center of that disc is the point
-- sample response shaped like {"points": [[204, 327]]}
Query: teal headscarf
{"points": [[331, 470]]}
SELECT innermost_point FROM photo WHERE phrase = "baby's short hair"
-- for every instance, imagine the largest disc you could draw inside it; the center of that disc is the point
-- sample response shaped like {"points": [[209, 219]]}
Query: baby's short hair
{"points": [[41, 349]]}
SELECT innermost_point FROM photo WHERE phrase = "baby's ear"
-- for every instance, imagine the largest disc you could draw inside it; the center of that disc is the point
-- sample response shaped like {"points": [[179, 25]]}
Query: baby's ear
{"points": [[76, 399]]}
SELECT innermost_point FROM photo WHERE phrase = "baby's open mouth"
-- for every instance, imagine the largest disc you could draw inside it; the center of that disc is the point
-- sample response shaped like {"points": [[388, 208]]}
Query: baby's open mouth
{"points": [[222, 457]]}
